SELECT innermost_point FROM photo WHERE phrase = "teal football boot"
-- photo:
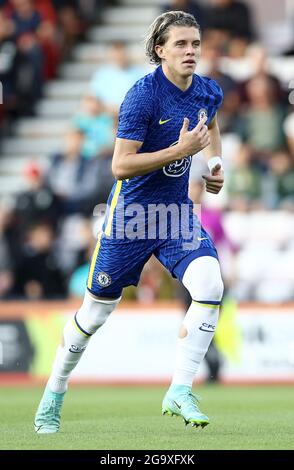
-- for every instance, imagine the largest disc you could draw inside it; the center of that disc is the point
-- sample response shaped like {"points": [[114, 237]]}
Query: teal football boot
{"points": [[180, 401], [47, 419]]}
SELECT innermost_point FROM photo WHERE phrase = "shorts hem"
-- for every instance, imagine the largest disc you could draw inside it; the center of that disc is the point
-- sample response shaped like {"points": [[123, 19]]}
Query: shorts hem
{"points": [[179, 269]]}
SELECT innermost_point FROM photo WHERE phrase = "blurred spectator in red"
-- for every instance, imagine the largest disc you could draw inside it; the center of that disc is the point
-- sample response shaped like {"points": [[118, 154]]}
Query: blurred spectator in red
{"points": [[37, 203], [48, 37]]}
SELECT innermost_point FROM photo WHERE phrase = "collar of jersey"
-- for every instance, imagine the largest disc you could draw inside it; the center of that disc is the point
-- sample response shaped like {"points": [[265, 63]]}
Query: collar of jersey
{"points": [[172, 87]]}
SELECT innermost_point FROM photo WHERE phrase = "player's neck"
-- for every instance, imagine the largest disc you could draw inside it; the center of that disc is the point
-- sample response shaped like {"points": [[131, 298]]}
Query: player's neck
{"points": [[181, 82]]}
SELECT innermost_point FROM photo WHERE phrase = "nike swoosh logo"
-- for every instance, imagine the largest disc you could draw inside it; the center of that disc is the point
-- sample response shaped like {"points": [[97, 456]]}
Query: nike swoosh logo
{"points": [[163, 122], [203, 329], [78, 350], [200, 239], [179, 406]]}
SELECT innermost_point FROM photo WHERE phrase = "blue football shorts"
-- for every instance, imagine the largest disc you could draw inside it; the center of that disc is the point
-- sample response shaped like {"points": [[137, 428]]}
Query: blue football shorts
{"points": [[117, 264]]}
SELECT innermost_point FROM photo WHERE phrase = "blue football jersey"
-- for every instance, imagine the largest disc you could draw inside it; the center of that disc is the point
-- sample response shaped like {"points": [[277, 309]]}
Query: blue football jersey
{"points": [[153, 112]]}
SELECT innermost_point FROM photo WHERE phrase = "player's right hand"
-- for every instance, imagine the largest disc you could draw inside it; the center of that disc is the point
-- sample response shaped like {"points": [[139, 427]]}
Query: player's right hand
{"points": [[194, 141]]}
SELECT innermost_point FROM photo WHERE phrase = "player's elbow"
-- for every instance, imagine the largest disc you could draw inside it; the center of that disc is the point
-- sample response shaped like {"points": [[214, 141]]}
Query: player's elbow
{"points": [[118, 171]]}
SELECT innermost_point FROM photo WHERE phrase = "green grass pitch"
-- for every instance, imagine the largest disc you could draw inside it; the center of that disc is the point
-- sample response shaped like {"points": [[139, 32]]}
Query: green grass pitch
{"points": [[110, 418]]}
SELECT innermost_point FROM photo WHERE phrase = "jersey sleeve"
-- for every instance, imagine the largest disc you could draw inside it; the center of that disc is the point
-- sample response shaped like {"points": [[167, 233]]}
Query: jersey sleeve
{"points": [[135, 113]]}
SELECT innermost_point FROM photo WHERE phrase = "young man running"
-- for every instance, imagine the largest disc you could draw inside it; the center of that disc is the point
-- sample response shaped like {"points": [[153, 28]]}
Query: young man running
{"points": [[166, 118]]}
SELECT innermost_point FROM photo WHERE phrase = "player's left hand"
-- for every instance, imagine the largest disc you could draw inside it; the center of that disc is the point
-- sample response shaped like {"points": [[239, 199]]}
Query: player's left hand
{"points": [[215, 181]]}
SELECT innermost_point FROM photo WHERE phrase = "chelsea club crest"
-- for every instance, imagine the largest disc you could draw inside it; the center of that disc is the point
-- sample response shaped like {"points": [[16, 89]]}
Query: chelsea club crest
{"points": [[202, 113], [103, 279], [177, 168]]}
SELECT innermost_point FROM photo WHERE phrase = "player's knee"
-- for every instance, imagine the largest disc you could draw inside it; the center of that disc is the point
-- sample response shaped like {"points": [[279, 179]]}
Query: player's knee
{"points": [[94, 312], [203, 279], [214, 289]]}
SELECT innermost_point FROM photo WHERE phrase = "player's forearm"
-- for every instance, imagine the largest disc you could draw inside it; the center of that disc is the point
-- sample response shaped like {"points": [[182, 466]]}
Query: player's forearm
{"points": [[138, 164], [215, 147]]}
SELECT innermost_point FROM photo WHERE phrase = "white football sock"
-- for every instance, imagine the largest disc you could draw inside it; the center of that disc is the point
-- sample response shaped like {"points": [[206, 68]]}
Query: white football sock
{"points": [[203, 280], [76, 335], [200, 322]]}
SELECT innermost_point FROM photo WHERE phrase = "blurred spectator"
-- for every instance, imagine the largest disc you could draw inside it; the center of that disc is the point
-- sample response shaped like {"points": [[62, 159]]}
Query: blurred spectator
{"points": [[190, 6], [74, 179], [25, 23], [229, 27], [243, 181], [261, 124], [231, 19], [48, 37], [98, 128], [34, 36], [37, 203], [8, 54], [88, 10], [282, 175], [25, 19], [37, 274], [259, 66], [71, 26], [78, 278], [112, 80], [229, 112]]}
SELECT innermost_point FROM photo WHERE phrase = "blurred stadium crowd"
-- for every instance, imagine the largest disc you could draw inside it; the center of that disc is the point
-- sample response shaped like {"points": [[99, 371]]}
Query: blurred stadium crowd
{"points": [[47, 231]]}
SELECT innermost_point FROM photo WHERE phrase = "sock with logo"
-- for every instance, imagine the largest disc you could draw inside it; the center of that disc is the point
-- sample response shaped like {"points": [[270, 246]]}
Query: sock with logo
{"points": [[67, 356], [76, 336], [194, 339]]}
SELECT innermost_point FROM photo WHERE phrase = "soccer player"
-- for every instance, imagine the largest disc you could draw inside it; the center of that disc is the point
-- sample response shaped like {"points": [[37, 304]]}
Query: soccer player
{"points": [[165, 119]]}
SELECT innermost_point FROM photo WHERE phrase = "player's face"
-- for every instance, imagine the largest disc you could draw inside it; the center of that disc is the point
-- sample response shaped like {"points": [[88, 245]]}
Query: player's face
{"points": [[181, 51]]}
